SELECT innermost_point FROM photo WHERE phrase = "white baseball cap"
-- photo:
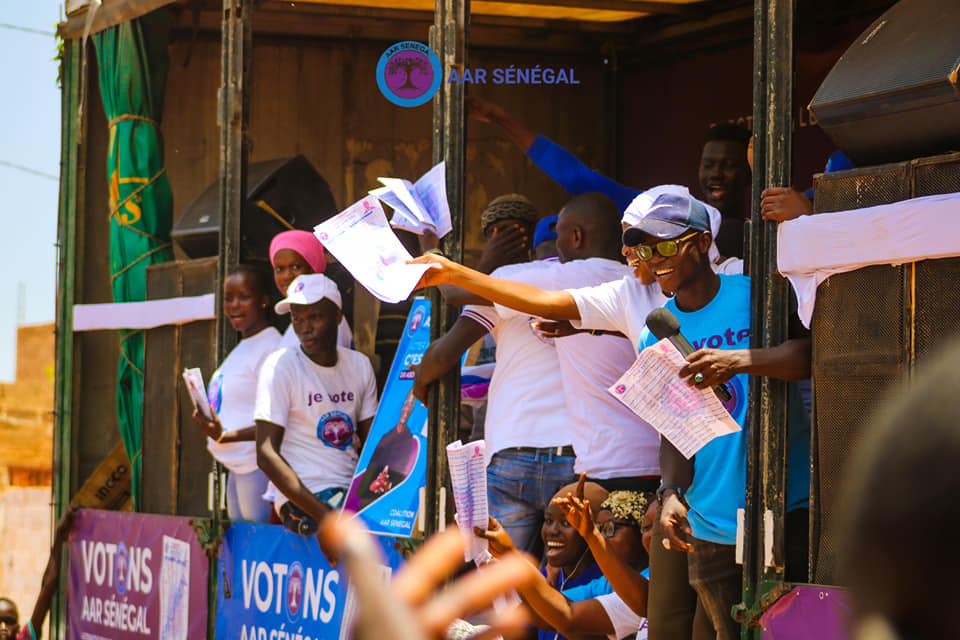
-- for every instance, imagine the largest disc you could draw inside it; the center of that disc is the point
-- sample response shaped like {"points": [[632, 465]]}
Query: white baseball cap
{"points": [[309, 289]]}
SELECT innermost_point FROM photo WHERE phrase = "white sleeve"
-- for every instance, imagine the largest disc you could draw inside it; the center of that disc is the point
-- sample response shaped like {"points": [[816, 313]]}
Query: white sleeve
{"points": [[602, 307], [539, 275], [367, 407], [486, 317], [625, 622], [273, 391]]}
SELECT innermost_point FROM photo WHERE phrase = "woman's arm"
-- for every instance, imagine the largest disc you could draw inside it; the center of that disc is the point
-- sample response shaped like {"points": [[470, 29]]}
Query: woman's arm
{"points": [[560, 613], [552, 305]]}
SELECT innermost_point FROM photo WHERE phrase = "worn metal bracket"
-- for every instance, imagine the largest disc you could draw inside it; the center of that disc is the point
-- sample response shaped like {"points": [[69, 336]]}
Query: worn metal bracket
{"points": [[210, 534], [769, 592]]}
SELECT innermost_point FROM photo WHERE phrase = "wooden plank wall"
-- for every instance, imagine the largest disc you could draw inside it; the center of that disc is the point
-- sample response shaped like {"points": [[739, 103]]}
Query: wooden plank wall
{"points": [[320, 98]]}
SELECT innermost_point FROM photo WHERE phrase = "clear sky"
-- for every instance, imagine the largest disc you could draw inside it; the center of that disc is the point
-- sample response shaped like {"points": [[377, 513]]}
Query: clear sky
{"points": [[29, 137]]}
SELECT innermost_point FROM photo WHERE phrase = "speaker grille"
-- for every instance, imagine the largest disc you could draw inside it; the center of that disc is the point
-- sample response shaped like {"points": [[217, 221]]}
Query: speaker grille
{"points": [[862, 188], [938, 304], [857, 351], [869, 327], [941, 176]]}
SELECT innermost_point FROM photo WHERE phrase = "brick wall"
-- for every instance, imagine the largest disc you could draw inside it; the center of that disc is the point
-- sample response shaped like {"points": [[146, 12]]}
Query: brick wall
{"points": [[24, 545]]}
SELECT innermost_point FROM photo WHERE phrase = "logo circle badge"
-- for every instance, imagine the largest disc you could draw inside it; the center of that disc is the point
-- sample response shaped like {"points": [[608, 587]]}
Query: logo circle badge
{"points": [[294, 591], [121, 568], [409, 74], [415, 321], [335, 429]]}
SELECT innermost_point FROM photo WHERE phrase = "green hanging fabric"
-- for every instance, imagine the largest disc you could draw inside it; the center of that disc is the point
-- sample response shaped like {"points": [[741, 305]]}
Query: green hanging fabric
{"points": [[132, 59]]}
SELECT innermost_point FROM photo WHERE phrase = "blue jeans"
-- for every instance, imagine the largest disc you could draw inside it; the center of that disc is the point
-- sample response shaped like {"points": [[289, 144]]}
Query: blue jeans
{"points": [[520, 485], [245, 497]]}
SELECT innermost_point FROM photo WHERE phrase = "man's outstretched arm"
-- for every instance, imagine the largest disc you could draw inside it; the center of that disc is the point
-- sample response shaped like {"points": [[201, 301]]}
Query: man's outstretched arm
{"points": [[444, 354], [552, 305]]}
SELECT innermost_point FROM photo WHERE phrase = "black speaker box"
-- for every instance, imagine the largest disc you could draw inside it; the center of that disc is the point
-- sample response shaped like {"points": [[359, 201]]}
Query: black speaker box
{"points": [[870, 327], [288, 188], [893, 95]]}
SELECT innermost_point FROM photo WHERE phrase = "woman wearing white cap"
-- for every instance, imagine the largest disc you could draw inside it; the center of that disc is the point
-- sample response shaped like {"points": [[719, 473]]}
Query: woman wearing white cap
{"points": [[315, 404]]}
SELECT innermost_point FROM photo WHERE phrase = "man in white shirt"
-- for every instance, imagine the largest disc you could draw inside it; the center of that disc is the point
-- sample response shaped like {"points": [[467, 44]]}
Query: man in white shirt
{"points": [[547, 392], [315, 405]]}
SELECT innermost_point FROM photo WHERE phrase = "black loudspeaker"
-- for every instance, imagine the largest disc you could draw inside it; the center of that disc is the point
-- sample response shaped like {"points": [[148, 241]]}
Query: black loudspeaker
{"points": [[894, 95], [289, 189], [870, 327]]}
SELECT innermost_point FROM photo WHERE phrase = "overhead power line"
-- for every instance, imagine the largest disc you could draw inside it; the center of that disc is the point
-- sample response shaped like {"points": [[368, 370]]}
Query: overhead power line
{"points": [[27, 29], [20, 167]]}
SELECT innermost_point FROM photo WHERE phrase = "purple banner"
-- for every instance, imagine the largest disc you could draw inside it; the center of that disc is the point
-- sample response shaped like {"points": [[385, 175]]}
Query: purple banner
{"points": [[809, 611], [135, 576]]}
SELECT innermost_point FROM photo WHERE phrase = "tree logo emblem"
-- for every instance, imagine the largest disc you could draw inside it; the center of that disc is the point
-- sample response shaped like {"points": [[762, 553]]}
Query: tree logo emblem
{"points": [[409, 74]]}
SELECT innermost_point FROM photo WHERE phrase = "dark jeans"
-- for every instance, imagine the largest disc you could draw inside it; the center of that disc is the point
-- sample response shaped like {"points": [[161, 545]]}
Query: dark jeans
{"points": [[718, 581], [673, 608]]}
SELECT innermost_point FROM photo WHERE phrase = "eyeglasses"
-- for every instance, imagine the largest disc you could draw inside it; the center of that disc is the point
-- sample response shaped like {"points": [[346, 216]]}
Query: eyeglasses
{"points": [[609, 528], [665, 248]]}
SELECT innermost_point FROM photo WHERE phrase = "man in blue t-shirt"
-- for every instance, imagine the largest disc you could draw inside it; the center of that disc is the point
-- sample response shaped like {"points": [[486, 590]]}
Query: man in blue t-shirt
{"points": [[700, 497]]}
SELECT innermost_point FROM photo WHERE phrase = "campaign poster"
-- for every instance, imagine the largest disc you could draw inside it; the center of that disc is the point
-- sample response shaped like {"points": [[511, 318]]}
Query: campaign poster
{"points": [[133, 575], [392, 469], [276, 584]]}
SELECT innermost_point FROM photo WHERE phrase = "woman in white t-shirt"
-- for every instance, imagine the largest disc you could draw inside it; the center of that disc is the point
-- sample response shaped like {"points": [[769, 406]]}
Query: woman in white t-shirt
{"points": [[233, 390], [296, 253]]}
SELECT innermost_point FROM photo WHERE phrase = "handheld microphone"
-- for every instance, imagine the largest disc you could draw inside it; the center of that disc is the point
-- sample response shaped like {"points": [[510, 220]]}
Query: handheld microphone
{"points": [[663, 324]]}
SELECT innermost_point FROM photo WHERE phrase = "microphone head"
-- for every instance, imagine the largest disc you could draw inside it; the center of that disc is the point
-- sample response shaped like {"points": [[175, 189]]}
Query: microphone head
{"points": [[662, 323]]}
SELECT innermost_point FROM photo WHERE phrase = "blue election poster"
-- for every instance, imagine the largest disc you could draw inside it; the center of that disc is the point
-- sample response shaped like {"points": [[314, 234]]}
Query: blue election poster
{"points": [[392, 468], [277, 584]]}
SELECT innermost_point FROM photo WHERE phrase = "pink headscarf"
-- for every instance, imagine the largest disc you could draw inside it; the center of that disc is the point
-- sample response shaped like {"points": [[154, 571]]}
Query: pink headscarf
{"points": [[304, 243]]}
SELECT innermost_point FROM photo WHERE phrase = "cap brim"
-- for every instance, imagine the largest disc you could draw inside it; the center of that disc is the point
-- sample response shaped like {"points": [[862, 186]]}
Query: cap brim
{"points": [[283, 307], [657, 228]]}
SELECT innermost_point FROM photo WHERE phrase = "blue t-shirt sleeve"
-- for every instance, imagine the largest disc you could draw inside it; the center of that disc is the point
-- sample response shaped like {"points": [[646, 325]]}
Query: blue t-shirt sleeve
{"points": [[571, 174], [646, 339], [588, 591]]}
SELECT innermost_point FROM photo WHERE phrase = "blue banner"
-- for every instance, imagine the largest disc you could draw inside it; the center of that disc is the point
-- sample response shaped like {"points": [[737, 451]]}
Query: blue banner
{"points": [[392, 469], [277, 585]]}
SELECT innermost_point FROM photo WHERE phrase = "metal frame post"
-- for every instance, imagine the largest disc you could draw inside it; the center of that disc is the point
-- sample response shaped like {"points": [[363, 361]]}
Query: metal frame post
{"points": [[449, 38], [233, 117], [71, 203], [767, 436]]}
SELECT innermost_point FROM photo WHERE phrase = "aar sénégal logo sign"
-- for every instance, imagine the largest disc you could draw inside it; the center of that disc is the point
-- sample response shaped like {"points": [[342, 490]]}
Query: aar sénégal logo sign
{"points": [[409, 74]]}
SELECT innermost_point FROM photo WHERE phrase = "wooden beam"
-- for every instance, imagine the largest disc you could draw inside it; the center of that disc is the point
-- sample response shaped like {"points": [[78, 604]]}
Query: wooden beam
{"points": [[110, 13], [500, 33], [639, 6]]}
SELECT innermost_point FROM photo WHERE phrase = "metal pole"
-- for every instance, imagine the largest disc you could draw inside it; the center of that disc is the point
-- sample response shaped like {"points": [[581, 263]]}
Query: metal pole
{"points": [[71, 173], [763, 569], [233, 117], [449, 37]]}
